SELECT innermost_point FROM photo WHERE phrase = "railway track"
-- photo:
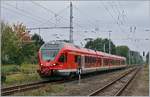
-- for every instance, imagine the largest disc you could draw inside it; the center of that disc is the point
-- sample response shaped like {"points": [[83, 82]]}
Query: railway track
{"points": [[117, 86], [23, 87], [34, 85]]}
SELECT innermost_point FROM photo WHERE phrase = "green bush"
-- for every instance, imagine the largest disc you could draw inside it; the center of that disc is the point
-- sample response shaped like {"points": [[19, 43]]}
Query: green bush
{"points": [[3, 77], [9, 69]]}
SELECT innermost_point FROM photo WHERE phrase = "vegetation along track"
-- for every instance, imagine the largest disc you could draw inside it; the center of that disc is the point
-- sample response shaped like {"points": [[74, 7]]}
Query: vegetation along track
{"points": [[33, 85], [116, 87], [23, 87]]}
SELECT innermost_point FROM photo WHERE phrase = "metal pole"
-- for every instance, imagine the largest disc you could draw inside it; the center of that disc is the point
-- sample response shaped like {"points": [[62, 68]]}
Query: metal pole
{"points": [[104, 47], [39, 34], [129, 56], [71, 23], [109, 43]]}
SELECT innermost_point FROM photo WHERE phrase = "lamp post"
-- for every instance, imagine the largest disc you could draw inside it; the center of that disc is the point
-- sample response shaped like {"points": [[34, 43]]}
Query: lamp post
{"points": [[109, 41]]}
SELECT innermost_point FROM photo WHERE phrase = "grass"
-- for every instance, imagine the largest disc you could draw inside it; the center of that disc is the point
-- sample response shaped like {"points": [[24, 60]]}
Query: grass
{"points": [[27, 73], [146, 73], [9, 69], [49, 89], [20, 74]]}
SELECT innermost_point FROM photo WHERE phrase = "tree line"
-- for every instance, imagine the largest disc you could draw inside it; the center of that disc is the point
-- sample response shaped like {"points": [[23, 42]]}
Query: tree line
{"points": [[100, 44], [17, 45]]}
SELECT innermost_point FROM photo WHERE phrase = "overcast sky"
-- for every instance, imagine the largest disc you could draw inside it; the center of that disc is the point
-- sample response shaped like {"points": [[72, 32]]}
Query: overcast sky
{"points": [[129, 21]]}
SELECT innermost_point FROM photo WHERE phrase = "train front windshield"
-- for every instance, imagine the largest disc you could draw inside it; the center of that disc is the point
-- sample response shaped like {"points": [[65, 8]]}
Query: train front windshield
{"points": [[48, 54], [49, 51]]}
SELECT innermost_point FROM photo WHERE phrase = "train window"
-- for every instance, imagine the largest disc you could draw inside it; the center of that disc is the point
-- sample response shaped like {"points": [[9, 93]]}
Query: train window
{"points": [[94, 59], [86, 59], [123, 62], [90, 59], [62, 58], [113, 62], [77, 58]]}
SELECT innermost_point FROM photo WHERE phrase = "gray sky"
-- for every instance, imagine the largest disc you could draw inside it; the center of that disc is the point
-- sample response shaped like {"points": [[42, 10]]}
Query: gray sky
{"points": [[92, 19]]}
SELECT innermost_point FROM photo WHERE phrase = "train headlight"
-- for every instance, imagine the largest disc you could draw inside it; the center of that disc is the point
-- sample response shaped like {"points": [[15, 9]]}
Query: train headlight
{"points": [[54, 64], [41, 64]]}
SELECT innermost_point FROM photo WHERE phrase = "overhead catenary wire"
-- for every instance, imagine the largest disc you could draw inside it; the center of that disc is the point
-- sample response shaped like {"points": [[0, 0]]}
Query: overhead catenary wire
{"points": [[18, 16], [123, 10], [48, 10], [112, 16], [117, 13], [83, 13], [58, 13], [24, 11], [22, 14]]}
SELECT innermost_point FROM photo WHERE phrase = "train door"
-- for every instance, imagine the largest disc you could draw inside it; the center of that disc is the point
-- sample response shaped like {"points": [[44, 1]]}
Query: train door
{"points": [[82, 61], [79, 62], [70, 62]]}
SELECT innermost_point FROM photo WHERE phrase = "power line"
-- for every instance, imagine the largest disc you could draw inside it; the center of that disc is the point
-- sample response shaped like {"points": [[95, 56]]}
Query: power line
{"points": [[81, 12], [112, 16], [11, 10], [55, 14], [21, 10], [117, 12], [48, 10], [35, 28], [123, 10]]}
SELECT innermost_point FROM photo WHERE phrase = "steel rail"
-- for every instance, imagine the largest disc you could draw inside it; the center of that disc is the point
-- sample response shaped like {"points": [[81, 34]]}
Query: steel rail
{"points": [[114, 81], [23, 87], [128, 82]]}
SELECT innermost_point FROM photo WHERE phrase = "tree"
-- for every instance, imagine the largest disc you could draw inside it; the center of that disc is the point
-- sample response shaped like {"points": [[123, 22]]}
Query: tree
{"points": [[21, 32], [37, 41], [10, 46], [98, 44], [122, 51], [113, 47], [135, 57], [18, 46]]}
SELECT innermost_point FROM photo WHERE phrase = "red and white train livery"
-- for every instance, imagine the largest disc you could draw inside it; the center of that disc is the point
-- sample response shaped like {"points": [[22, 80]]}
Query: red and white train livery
{"points": [[60, 58]]}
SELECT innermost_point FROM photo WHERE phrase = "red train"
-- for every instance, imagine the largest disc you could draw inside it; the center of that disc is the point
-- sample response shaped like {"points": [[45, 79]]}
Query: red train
{"points": [[60, 58]]}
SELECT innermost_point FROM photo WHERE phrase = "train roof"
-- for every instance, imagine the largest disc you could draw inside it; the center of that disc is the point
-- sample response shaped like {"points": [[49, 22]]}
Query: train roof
{"points": [[72, 47]]}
